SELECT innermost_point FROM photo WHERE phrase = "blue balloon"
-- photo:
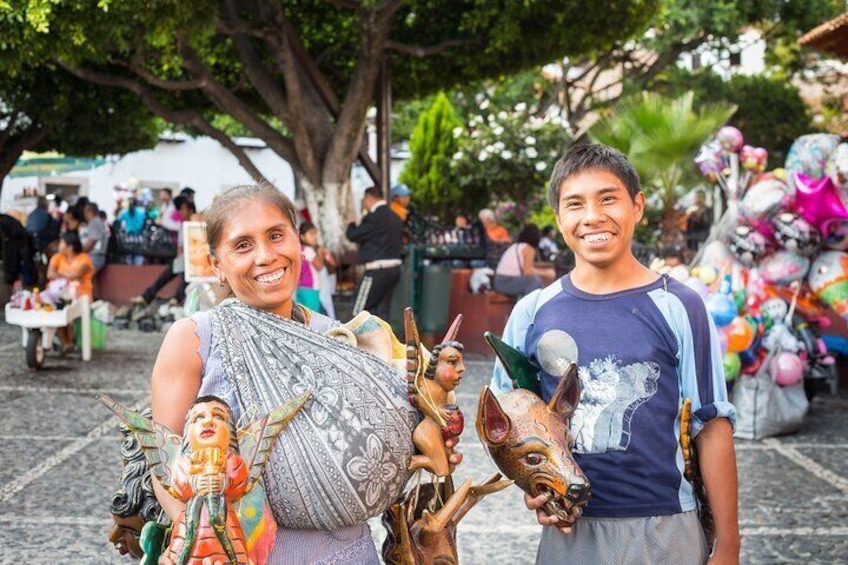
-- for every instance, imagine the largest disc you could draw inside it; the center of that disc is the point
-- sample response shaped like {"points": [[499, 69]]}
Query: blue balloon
{"points": [[722, 308]]}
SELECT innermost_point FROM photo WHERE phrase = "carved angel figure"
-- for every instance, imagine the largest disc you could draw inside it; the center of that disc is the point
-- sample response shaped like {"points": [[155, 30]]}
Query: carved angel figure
{"points": [[206, 470], [430, 386]]}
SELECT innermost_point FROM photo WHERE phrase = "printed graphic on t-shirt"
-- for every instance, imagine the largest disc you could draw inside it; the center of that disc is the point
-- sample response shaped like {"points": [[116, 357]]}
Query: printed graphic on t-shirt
{"points": [[611, 394]]}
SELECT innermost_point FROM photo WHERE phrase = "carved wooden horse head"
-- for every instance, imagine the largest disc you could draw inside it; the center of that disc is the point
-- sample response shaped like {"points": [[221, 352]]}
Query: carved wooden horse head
{"points": [[530, 441], [420, 535]]}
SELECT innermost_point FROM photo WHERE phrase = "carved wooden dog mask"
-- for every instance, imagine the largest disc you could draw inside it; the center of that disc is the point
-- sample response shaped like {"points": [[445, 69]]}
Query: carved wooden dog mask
{"points": [[530, 443]]}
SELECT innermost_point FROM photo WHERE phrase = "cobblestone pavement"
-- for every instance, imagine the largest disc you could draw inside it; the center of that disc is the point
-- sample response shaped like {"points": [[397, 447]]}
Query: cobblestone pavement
{"points": [[60, 463]]}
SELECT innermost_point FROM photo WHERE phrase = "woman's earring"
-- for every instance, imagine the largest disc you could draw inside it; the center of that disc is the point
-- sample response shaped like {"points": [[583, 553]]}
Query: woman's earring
{"points": [[221, 280]]}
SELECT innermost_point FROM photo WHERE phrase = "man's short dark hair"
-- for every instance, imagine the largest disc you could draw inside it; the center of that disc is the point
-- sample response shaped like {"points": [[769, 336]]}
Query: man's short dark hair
{"points": [[374, 192], [588, 157], [168, 190], [93, 208]]}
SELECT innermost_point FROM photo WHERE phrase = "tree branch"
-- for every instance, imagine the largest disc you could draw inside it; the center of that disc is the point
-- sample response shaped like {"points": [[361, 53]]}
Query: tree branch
{"points": [[171, 85], [229, 103], [350, 4], [10, 127], [264, 84], [417, 51], [347, 136], [183, 117], [32, 137]]}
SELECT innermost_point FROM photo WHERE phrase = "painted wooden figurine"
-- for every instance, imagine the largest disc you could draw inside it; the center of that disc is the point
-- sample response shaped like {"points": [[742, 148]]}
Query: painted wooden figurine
{"points": [[205, 469], [431, 390], [421, 527]]}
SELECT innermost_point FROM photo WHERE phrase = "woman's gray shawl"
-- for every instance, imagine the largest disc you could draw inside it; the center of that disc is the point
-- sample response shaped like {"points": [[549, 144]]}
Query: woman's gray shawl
{"points": [[343, 459]]}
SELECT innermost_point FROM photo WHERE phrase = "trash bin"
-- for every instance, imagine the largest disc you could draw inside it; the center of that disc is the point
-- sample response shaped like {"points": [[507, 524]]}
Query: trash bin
{"points": [[435, 298], [405, 292], [100, 314]]}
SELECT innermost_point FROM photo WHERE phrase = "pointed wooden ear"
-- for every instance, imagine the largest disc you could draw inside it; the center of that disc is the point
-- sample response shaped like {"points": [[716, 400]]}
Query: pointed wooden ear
{"points": [[453, 330], [519, 368], [493, 425], [567, 393], [410, 329]]}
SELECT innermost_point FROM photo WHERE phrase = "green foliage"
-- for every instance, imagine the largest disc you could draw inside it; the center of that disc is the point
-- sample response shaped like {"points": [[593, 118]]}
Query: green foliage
{"points": [[427, 173], [81, 119], [770, 112], [505, 155], [660, 136]]}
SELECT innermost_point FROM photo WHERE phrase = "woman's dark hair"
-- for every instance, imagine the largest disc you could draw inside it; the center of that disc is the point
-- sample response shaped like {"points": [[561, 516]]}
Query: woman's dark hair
{"points": [[305, 227], [222, 207], [72, 240], [131, 204], [529, 234]]}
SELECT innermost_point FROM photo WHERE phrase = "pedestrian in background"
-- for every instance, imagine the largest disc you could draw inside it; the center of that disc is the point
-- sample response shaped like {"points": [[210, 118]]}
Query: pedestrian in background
{"points": [[379, 236], [308, 287], [96, 237], [517, 274]]}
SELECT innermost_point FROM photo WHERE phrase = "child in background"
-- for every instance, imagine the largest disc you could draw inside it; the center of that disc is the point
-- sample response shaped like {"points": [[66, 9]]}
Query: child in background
{"points": [[308, 288]]}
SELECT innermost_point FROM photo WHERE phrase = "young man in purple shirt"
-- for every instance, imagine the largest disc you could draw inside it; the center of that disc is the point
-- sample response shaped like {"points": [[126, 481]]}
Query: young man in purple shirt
{"points": [[643, 343]]}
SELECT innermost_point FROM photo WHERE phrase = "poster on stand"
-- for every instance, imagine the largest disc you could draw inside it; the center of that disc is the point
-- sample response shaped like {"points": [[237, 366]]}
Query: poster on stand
{"points": [[196, 253]]}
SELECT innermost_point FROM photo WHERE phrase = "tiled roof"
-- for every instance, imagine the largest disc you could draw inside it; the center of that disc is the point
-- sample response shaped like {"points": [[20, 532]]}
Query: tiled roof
{"points": [[830, 37]]}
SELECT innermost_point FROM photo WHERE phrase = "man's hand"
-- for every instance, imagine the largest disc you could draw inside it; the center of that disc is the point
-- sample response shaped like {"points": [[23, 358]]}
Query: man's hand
{"points": [[454, 457], [537, 503]]}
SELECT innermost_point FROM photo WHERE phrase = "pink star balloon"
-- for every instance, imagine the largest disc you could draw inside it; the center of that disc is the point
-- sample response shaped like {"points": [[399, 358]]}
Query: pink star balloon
{"points": [[816, 200]]}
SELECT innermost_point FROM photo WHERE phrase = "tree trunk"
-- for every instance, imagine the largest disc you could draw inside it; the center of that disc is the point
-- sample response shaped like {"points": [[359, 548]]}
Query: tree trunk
{"points": [[328, 206]]}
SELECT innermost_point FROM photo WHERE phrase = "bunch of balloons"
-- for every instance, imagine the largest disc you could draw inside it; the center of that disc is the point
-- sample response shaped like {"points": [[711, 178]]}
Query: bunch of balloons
{"points": [[783, 241]]}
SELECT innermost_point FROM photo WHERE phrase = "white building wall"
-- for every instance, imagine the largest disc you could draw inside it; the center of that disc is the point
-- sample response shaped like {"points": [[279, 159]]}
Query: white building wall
{"points": [[180, 161]]}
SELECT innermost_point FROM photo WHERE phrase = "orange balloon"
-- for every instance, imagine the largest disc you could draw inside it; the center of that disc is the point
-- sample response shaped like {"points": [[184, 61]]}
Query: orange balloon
{"points": [[740, 335]]}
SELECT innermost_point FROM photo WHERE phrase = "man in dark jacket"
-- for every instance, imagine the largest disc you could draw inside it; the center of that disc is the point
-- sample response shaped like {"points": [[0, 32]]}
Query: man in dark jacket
{"points": [[379, 235], [17, 251]]}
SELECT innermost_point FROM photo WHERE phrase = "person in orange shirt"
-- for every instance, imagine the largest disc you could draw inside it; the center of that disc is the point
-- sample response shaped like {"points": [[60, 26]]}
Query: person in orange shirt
{"points": [[494, 231], [400, 201], [73, 264]]}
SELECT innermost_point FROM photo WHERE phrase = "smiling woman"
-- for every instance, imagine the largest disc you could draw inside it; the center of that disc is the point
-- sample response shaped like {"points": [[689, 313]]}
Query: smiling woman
{"points": [[257, 349]]}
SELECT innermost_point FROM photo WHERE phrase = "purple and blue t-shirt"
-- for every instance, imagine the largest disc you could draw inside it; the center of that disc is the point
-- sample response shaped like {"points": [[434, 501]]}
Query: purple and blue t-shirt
{"points": [[639, 352]]}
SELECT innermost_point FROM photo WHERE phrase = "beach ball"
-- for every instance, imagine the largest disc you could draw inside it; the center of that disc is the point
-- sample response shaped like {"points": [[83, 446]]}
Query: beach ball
{"points": [[828, 280], [722, 308], [794, 233], [740, 335], [732, 366], [784, 267], [786, 369]]}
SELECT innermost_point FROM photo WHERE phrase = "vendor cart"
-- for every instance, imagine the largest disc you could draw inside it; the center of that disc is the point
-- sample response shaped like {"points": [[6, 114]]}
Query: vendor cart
{"points": [[38, 327]]}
